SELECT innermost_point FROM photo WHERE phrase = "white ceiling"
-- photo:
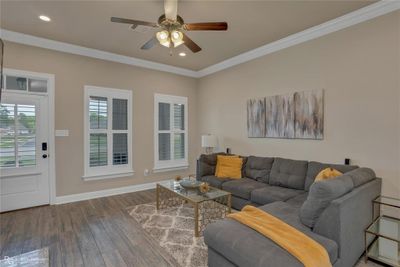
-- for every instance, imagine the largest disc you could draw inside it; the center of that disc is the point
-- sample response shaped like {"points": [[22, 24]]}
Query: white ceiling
{"points": [[251, 24]]}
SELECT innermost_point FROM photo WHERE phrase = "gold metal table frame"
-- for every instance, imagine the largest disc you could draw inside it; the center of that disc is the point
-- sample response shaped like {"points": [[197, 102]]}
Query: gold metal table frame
{"points": [[208, 207]]}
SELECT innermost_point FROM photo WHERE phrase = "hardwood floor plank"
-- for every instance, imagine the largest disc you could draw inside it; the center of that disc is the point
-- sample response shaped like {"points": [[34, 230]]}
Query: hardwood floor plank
{"points": [[87, 245]]}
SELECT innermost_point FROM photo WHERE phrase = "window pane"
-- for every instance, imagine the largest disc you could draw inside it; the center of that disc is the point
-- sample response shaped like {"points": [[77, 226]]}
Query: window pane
{"points": [[98, 150], [36, 85], [15, 83], [120, 114], [179, 116], [164, 146], [120, 148], [7, 135], [163, 116], [26, 119], [98, 112], [179, 146]]}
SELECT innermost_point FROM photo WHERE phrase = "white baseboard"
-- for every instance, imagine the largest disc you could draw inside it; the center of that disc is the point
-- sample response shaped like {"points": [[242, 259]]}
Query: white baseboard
{"points": [[107, 192]]}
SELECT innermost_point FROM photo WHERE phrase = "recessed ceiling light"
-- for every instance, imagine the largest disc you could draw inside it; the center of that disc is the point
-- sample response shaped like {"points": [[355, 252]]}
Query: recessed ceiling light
{"points": [[44, 18], [182, 54]]}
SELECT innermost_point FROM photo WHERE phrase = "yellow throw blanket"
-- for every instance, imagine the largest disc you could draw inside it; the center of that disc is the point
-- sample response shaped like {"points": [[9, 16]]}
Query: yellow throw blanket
{"points": [[305, 249]]}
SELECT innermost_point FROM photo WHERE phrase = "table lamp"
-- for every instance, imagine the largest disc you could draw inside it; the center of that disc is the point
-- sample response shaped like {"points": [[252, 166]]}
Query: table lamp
{"points": [[209, 141]]}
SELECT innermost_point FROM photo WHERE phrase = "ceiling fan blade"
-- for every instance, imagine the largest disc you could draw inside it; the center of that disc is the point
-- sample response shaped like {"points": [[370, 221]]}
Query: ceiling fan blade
{"points": [[134, 22], [190, 44], [171, 9], [206, 26], [150, 43]]}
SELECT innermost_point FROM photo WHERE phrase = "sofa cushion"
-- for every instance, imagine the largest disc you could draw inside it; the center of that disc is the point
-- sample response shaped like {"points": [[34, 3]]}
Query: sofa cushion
{"points": [[242, 187], [288, 173], [214, 181], [320, 196], [247, 247], [316, 167], [298, 200], [258, 168], [361, 176], [271, 194]]}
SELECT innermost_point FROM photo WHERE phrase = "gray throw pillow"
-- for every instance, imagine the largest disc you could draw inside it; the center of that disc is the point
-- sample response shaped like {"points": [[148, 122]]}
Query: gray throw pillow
{"points": [[320, 196]]}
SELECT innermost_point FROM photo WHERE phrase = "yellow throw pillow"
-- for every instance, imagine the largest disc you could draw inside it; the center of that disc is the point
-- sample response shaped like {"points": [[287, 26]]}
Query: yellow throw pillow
{"points": [[326, 174], [229, 167], [226, 156]]}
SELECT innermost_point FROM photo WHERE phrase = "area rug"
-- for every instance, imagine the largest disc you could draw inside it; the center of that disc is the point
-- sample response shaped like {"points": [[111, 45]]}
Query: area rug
{"points": [[36, 258], [173, 229]]}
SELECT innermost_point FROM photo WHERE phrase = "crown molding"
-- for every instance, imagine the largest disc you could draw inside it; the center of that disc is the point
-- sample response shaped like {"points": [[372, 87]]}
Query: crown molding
{"points": [[366, 13], [31, 40], [363, 14]]}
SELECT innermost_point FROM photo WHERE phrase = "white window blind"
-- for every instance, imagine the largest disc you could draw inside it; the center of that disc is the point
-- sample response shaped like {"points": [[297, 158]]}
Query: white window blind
{"points": [[108, 149], [171, 133]]}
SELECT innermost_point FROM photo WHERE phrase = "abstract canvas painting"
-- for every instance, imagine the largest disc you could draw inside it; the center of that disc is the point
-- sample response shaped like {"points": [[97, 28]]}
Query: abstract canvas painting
{"points": [[256, 117], [279, 116], [297, 115], [309, 118]]}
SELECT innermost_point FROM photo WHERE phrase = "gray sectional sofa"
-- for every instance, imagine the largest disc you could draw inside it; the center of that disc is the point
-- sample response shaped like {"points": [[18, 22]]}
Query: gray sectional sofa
{"points": [[333, 212]]}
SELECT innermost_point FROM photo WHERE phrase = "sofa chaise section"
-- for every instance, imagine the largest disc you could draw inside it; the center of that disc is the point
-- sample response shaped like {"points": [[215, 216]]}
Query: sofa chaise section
{"points": [[249, 248]]}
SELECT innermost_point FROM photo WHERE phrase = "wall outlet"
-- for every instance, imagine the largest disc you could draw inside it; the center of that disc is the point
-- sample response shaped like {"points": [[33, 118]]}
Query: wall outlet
{"points": [[146, 172]]}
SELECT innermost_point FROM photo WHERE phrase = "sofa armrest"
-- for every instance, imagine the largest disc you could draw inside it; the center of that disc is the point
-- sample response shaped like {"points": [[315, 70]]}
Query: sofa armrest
{"points": [[346, 218]]}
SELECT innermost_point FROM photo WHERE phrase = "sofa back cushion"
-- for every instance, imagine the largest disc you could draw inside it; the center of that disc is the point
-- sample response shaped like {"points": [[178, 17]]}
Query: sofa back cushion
{"points": [[361, 176], [316, 167], [320, 196], [288, 173], [258, 168]]}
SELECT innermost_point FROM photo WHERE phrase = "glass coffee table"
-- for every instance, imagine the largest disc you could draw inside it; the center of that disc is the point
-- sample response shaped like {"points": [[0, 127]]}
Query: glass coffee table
{"points": [[208, 207], [385, 231]]}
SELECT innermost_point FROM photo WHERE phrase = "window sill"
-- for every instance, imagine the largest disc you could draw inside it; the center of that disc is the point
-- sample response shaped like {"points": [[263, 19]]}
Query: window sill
{"points": [[107, 176], [170, 168]]}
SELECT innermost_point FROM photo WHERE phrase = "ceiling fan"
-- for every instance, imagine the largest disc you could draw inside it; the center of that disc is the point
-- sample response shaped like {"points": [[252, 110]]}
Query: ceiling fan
{"points": [[172, 28]]}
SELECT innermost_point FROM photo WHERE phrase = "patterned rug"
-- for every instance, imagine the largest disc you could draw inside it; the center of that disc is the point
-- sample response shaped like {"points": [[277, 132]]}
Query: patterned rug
{"points": [[173, 228]]}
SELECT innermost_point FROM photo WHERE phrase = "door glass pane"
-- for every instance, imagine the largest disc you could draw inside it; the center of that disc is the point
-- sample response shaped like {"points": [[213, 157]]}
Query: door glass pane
{"points": [[16, 83], [163, 116], [120, 148], [179, 146], [38, 86], [26, 138], [120, 114], [22, 137], [98, 150], [164, 146], [98, 112], [7, 135], [179, 116]]}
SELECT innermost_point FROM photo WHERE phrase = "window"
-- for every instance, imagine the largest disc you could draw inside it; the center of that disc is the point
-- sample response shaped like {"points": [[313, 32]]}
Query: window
{"points": [[108, 133], [17, 135], [171, 137], [23, 83]]}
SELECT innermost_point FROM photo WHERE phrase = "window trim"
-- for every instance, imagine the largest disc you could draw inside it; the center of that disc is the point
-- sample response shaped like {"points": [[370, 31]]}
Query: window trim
{"points": [[108, 171], [171, 165]]}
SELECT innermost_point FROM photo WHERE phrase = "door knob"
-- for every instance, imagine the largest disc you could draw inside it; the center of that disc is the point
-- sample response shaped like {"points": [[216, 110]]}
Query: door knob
{"points": [[44, 156]]}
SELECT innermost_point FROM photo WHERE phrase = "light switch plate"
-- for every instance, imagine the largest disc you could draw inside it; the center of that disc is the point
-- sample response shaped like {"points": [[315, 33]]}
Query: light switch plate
{"points": [[62, 133]]}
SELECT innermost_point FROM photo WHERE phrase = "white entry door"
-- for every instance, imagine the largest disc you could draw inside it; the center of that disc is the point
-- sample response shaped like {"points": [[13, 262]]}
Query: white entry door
{"points": [[24, 171]]}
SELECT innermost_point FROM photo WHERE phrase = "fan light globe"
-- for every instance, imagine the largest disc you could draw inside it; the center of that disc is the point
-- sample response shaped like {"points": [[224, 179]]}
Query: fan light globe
{"points": [[177, 38], [163, 38]]}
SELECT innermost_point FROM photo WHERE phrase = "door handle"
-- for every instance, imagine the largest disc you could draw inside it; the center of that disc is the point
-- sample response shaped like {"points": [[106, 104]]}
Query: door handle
{"points": [[44, 156]]}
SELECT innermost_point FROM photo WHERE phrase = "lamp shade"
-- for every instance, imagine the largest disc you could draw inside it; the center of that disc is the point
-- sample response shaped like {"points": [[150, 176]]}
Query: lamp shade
{"points": [[209, 140]]}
